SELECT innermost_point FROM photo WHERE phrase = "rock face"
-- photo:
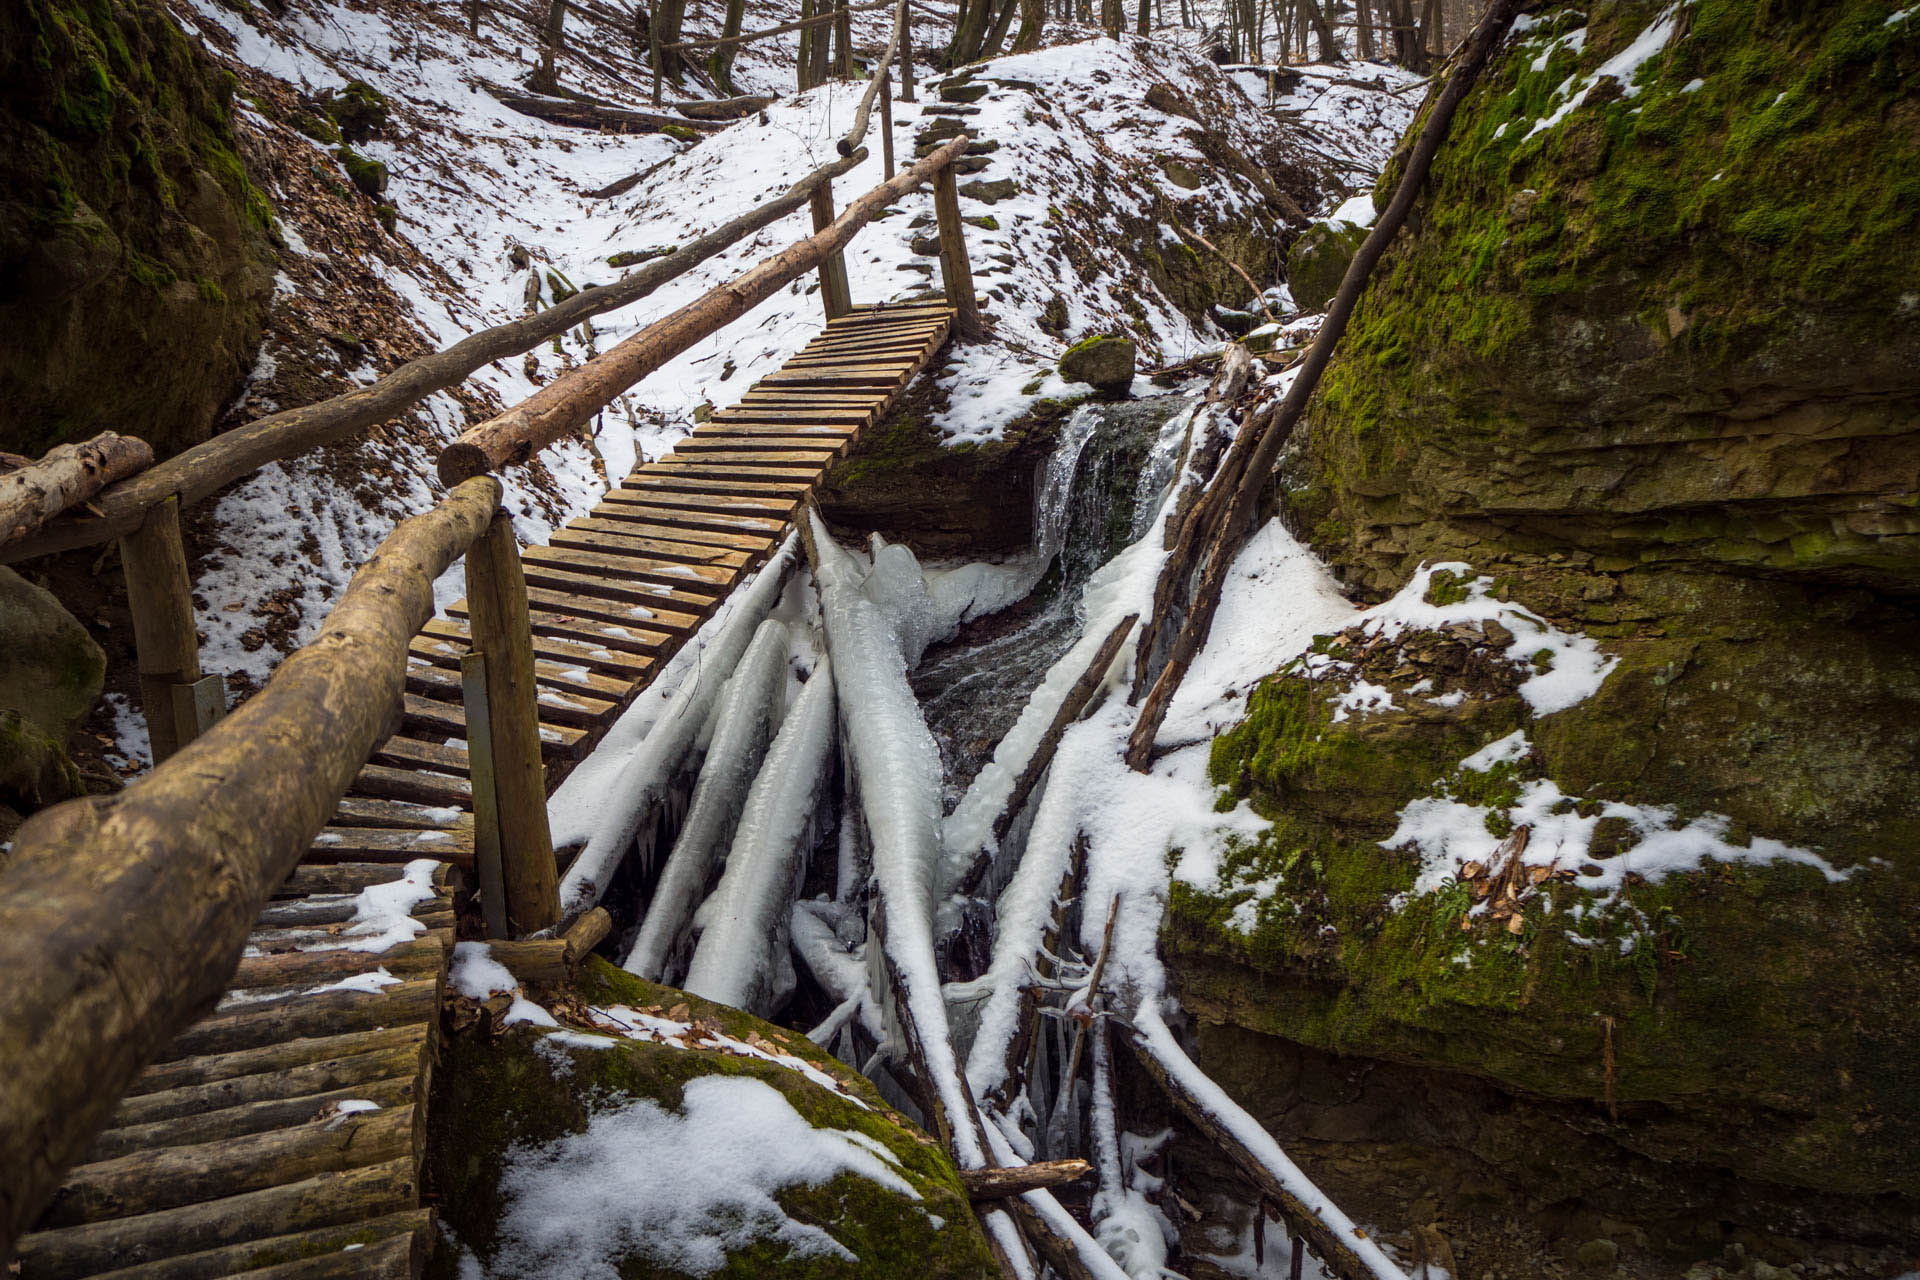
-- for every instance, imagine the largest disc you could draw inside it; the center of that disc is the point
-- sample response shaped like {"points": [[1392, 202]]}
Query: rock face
{"points": [[968, 500], [1651, 364], [134, 261], [1318, 261], [50, 673], [515, 1117], [1104, 363]]}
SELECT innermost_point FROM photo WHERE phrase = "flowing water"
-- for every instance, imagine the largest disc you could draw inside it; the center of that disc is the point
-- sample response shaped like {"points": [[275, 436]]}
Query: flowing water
{"points": [[1095, 495]]}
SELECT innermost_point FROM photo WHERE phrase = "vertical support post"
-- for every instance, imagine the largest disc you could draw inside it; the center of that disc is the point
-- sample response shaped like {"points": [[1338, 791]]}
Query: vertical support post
{"points": [[486, 806], [886, 124], [497, 604], [161, 597], [955, 273], [1299, 1255], [906, 53], [834, 291]]}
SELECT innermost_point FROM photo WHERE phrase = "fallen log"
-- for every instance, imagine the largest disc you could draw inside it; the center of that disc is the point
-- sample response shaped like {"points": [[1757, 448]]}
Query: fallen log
{"points": [[1235, 520], [204, 469], [101, 891], [998, 1184], [724, 108], [65, 477], [587, 114], [569, 401], [1344, 1247]]}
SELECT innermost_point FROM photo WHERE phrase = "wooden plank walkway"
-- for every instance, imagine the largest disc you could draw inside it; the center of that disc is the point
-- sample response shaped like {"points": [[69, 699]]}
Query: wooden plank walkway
{"points": [[281, 1137]]}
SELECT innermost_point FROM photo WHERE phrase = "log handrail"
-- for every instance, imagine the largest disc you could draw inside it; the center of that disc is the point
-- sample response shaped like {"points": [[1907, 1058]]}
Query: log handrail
{"points": [[569, 401], [123, 917], [204, 469], [67, 476]]}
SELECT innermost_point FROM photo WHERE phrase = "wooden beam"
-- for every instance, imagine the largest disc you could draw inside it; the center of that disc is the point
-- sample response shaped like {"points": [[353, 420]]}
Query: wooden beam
{"points": [[67, 476], [998, 1184], [102, 892], [160, 595], [955, 272]]}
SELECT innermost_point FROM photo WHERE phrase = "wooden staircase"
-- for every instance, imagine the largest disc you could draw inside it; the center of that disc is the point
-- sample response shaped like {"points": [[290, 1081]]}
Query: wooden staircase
{"points": [[281, 1137]]}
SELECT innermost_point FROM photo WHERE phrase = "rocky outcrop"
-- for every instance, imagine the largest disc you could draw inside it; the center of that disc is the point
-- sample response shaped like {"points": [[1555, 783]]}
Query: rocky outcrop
{"points": [[50, 674], [1104, 363], [134, 259], [1647, 359], [541, 1142]]}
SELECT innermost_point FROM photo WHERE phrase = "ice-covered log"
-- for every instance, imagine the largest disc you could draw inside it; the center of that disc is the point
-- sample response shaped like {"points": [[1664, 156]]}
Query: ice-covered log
{"points": [[743, 942], [607, 798], [877, 623], [745, 714]]}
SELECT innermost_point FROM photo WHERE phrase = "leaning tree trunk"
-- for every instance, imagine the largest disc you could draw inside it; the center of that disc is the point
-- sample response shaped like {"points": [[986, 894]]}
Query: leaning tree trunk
{"points": [[1002, 19]]}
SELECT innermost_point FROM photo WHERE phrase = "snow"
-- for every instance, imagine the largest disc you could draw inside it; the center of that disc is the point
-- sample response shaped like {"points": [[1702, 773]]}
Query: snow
{"points": [[477, 976], [1358, 211], [679, 1189], [1565, 668], [745, 714], [742, 942], [1623, 67], [383, 913], [1448, 833], [369, 983]]}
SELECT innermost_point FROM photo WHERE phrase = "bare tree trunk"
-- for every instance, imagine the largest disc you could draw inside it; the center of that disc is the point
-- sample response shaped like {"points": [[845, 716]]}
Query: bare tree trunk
{"points": [[1144, 22], [843, 44], [1436, 29], [803, 64], [1316, 12], [1363, 25], [1033, 20], [1113, 16], [720, 61], [546, 79]]}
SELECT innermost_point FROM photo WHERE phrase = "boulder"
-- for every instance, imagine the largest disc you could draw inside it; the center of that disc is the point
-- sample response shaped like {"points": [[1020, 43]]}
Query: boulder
{"points": [[1318, 261], [729, 1147], [359, 109], [990, 192], [50, 674], [134, 247], [1104, 363]]}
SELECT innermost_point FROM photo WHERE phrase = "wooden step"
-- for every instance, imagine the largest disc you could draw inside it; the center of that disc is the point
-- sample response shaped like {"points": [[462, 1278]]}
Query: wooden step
{"points": [[348, 878], [675, 582], [294, 968], [387, 782], [432, 757], [672, 625], [437, 675], [592, 535], [392, 1247], [324, 1200], [377, 844], [303, 1016], [445, 642], [801, 461], [224, 1074], [690, 523], [366, 811], [586, 584], [429, 716], [756, 544], [726, 506], [251, 1118], [726, 479]]}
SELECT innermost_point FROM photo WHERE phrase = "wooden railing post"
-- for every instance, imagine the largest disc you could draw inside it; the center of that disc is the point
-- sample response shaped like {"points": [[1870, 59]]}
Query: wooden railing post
{"points": [[834, 291], [502, 635], [955, 273], [178, 703], [905, 20], [886, 124]]}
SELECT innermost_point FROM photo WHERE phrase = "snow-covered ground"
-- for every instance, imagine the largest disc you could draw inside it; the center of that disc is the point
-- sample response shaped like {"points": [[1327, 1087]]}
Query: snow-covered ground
{"points": [[492, 203]]}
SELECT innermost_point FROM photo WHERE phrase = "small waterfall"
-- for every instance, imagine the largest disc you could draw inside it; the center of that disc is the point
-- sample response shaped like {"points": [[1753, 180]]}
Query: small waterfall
{"points": [[1095, 494]]}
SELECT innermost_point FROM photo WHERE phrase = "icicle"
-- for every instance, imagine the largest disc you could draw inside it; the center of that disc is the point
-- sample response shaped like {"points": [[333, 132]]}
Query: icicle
{"points": [[613, 808], [744, 720], [743, 924]]}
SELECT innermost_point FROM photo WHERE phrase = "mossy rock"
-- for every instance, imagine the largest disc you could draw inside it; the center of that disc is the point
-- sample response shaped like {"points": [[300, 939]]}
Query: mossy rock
{"points": [[368, 176], [517, 1102], [1180, 173], [1318, 262], [1749, 1018], [964, 92], [990, 192], [359, 109], [1103, 362], [121, 190], [50, 673]]}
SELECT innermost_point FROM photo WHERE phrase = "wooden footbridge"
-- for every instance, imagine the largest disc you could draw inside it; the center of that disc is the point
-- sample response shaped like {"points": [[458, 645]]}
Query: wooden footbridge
{"points": [[226, 1069]]}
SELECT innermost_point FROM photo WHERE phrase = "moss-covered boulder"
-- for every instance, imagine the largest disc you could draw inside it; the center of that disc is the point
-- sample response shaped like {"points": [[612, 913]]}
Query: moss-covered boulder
{"points": [[1601, 878], [1105, 363], [682, 1138], [1647, 354], [134, 258], [1318, 261], [357, 108], [50, 674]]}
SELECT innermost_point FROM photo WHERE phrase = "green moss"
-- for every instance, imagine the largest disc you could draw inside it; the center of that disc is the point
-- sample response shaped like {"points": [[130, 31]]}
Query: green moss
{"points": [[369, 176], [680, 133], [491, 1097]]}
